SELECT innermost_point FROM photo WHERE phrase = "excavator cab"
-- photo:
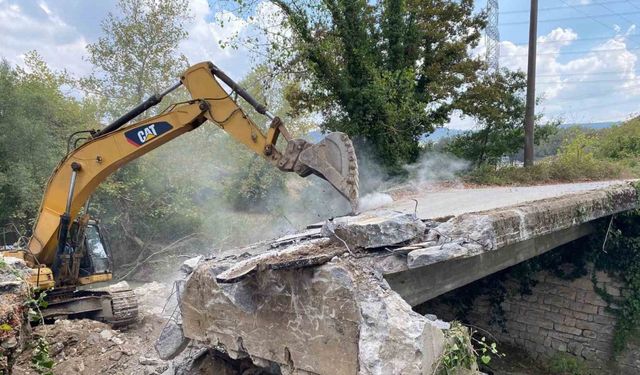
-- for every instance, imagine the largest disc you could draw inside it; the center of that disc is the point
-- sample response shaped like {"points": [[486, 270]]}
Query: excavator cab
{"points": [[97, 255], [87, 257]]}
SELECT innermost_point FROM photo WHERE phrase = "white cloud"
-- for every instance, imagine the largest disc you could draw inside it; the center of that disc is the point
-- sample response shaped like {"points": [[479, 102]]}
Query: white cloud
{"points": [[206, 32], [60, 44], [63, 46], [598, 85]]}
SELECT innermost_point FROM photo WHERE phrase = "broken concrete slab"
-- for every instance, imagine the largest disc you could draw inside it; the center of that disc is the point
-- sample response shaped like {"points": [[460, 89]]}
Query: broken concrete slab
{"points": [[473, 233], [337, 318], [375, 229], [304, 254]]}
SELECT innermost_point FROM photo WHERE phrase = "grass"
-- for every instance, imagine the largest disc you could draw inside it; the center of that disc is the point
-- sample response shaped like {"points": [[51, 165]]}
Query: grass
{"points": [[567, 364], [548, 171]]}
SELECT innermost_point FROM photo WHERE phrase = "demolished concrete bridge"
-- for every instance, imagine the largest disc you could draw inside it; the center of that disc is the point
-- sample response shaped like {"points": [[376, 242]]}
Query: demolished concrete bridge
{"points": [[338, 297]]}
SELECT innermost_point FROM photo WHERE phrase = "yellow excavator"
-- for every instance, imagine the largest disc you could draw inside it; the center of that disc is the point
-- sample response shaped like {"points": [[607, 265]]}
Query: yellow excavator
{"points": [[67, 249]]}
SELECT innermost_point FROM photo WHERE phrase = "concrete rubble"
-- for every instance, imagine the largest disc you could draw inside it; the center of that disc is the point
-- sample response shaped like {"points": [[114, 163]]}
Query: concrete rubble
{"points": [[14, 323], [318, 302]]}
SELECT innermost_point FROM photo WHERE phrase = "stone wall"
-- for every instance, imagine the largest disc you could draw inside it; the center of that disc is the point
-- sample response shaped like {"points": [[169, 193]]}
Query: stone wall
{"points": [[559, 316]]}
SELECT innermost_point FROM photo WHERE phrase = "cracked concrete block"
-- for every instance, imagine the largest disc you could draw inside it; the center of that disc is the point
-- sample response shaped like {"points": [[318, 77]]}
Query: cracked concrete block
{"points": [[441, 253], [190, 264], [171, 341], [336, 318], [375, 229]]}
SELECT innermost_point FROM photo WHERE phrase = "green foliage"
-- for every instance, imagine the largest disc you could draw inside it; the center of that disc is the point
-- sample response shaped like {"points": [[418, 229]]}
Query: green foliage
{"points": [[136, 56], [35, 119], [567, 364], [498, 105], [551, 146], [553, 170], [621, 141], [463, 350], [250, 187], [40, 360], [458, 352], [621, 257]]}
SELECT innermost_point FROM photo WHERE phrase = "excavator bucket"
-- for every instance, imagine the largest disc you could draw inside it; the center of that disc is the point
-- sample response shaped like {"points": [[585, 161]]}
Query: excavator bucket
{"points": [[334, 159]]}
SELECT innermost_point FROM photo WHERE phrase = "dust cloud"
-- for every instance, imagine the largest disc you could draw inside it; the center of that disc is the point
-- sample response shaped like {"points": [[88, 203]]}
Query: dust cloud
{"points": [[436, 167], [213, 161]]}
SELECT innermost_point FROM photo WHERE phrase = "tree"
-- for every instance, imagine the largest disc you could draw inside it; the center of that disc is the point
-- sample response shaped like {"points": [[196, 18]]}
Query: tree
{"points": [[36, 118], [385, 71], [497, 102], [137, 54]]}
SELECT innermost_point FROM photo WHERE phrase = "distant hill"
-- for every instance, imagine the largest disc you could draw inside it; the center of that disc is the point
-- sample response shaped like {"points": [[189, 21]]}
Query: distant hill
{"points": [[593, 125]]}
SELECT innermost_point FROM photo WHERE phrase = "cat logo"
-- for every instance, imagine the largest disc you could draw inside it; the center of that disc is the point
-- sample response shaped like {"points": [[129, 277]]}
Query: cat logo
{"points": [[145, 133]]}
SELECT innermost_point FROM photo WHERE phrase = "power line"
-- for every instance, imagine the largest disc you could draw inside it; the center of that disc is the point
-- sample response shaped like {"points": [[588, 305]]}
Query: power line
{"points": [[632, 4], [584, 74], [588, 16], [593, 81], [524, 44], [564, 7], [601, 105], [622, 16], [576, 52], [634, 87]]}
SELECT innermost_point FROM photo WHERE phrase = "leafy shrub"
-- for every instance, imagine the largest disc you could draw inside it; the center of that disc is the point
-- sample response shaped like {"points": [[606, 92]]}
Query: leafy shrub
{"points": [[621, 141], [567, 364], [576, 161], [553, 170]]}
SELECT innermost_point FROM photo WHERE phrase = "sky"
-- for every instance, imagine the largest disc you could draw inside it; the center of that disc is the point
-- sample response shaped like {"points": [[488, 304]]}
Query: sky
{"points": [[586, 61]]}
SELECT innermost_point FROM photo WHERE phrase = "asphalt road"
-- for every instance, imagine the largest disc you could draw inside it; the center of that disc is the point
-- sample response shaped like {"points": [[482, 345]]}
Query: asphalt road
{"points": [[455, 201]]}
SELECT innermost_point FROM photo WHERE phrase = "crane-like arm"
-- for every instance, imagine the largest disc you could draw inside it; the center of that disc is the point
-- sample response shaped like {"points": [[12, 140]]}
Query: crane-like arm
{"points": [[83, 169]]}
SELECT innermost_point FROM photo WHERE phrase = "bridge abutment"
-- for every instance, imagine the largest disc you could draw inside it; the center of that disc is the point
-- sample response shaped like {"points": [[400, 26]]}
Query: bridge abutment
{"points": [[559, 316]]}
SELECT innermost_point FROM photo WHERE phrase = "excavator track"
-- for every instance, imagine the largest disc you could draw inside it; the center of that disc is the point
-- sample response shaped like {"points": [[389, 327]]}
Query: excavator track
{"points": [[115, 306], [124, 304]]}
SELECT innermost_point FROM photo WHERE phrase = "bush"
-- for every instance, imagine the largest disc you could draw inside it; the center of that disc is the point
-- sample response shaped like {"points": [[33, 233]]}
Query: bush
{"points": [[575, 162], [567, 364], [549, 171], [621, 141]]}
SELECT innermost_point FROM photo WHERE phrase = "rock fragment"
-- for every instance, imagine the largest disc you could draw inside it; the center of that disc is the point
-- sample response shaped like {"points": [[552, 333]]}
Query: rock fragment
{"points": [[106, 334], [375, 229], [189, 265], [171, 341]]}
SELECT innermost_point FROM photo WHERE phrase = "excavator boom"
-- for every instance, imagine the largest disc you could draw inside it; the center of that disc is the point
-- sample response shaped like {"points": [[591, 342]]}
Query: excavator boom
{"points": [[84, 168]]}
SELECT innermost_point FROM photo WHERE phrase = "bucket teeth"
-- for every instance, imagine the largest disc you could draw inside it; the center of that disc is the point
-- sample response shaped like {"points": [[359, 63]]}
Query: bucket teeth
{"points": [[334, 159]]}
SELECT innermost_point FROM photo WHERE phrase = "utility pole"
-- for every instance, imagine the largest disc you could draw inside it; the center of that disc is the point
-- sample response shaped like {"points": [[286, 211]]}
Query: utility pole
{"points": [[492, 36], [529, 117]]}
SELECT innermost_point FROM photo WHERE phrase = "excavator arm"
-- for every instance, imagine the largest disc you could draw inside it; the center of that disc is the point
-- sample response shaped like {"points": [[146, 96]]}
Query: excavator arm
{"points": [[84, 168]]}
